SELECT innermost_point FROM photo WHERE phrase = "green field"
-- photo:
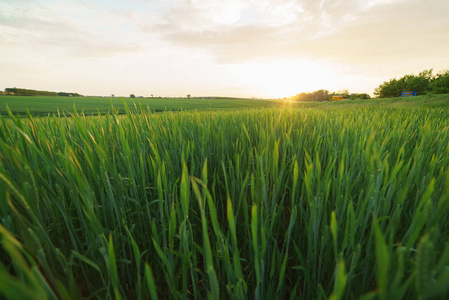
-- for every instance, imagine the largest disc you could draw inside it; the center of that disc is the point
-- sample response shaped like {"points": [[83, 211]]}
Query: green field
{"points": [[341, 200], [44, 106], [41, 105]]}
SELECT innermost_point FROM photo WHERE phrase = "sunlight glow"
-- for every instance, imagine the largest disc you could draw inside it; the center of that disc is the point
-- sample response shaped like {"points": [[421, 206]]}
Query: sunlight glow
{"points": [[284, 78]]}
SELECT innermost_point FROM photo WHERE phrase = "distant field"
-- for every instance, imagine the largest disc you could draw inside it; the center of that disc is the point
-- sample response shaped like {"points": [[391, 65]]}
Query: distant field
{"points": [[41, 105]]}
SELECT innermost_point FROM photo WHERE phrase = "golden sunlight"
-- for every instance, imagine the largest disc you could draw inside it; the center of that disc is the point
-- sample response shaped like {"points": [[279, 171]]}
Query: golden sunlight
{"points": [[286, 78]]}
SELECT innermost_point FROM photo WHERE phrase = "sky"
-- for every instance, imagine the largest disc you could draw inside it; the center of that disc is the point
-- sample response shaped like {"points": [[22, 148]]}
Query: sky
{"points": [[236, 48]]}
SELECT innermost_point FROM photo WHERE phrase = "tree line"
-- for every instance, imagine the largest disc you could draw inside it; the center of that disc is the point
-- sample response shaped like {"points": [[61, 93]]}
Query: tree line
{"points": [[423, 83], [28, 92], [323, 95]]}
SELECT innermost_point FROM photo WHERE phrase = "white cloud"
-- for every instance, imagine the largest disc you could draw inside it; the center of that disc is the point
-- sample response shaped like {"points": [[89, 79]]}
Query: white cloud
{"points": [[319, 30], [65, 27]]}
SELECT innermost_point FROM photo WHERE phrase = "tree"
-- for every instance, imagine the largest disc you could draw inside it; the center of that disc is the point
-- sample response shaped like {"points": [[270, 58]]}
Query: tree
{"points": [[64, 94], [188, 96], [362, 96], [395, 87], [320, 95], [301, 97], [27, 92], [440, 83], [132, 96], [344, 93]]}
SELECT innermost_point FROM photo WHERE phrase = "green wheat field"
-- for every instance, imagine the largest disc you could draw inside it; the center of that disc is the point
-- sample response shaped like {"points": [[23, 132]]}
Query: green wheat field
{"points": [[345, 200]]}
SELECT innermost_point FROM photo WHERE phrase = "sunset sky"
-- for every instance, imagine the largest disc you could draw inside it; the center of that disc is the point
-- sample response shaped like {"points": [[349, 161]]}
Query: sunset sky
{"points": [[246, 48]]}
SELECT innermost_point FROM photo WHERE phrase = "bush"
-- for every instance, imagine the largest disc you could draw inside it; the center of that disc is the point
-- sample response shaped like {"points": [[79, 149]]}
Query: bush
{"points": [[362, 96], [320, 95], [440, 83], [423, 83]]}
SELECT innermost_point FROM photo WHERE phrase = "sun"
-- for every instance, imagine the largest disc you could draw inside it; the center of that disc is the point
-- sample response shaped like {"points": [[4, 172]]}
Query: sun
{"points": [[286, 78]]}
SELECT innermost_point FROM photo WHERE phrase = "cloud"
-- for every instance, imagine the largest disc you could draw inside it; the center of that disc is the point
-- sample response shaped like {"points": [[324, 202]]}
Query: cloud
{"points": [[262, 46], [35, 26], [253, 28], [351, 32], [389, 34]]}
